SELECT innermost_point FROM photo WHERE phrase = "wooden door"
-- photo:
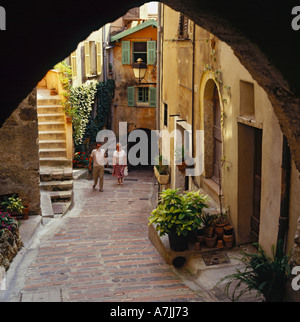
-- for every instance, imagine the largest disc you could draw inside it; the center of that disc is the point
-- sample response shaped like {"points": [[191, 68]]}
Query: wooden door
{"points": [[255, 218], [217, 138]]}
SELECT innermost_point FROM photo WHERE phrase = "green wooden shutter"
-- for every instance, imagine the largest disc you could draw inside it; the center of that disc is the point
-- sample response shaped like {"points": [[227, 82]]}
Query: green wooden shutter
{"points": [[126, 52], [152, 96], [151, 52], [130, 96]]}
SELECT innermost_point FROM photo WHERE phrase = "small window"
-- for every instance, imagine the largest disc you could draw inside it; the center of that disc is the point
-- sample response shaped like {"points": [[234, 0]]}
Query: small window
{"points": [[140, 51], [143, 94], [247, 102], [183, 27]]}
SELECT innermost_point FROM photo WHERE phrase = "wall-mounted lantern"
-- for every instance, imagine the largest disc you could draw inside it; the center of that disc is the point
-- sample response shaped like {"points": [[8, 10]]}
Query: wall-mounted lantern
{"points": [[139, 69]]}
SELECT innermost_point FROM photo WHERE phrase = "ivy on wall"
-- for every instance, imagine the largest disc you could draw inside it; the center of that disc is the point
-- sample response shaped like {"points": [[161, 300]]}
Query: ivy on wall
{"points": [[82, 99]]}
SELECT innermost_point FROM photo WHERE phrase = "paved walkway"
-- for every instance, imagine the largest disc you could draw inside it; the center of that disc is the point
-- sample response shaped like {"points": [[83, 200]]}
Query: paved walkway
{"points": [[99, 251]]}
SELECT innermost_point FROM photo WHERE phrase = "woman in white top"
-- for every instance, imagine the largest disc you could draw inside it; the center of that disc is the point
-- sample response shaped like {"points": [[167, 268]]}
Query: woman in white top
{"points": [[119, 163]]}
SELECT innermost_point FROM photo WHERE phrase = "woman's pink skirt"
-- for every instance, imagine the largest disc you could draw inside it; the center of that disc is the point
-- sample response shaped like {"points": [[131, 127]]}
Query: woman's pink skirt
{"points": [[118, 170]]}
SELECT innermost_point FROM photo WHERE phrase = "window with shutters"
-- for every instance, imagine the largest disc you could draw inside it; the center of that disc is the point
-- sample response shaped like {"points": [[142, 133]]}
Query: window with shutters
{"points": [[141, 96], [92, 58], [146, 50], [74, 64]]}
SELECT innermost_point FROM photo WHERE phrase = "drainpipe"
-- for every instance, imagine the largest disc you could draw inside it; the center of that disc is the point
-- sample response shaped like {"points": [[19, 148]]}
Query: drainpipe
{"points": [[104, 54], [193, 87], [285, 195], [158, 57]]}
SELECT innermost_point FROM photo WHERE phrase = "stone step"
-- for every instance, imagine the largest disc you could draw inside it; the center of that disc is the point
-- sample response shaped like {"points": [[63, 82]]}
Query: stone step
{"points": [[52, 126], [51, 117], [48, 101], [56, 162], [55, 152], [54, 173], [49, 109], [56, 185], [52, 144], [61, 195], [52, 135]]}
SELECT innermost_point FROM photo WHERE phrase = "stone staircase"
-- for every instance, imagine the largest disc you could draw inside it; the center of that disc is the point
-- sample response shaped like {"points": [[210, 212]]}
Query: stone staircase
{"points": [[56, 172]]}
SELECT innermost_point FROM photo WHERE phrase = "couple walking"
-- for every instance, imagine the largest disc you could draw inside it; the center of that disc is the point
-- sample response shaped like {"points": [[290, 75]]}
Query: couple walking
{"points": [[99, 161]]}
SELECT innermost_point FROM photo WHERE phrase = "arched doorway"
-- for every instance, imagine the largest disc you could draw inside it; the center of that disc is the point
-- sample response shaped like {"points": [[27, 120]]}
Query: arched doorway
{"points": [[212, 132]]}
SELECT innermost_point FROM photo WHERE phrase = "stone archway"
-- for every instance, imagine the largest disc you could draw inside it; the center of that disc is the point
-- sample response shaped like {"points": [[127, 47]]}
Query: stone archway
{"points": [[50, 31]]}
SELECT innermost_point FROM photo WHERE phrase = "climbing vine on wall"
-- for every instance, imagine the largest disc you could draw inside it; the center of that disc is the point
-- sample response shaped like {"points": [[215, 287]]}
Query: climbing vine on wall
{"points": [[81, 99], [103, 98]]}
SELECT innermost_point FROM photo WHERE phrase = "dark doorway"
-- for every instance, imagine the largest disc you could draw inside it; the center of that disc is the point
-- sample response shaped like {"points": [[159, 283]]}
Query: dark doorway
{"points": [[249, 182], [255, 218]]}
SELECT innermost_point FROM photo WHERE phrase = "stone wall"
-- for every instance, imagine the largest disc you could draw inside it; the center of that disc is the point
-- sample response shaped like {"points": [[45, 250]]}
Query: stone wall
{"points": [[19, 154]]}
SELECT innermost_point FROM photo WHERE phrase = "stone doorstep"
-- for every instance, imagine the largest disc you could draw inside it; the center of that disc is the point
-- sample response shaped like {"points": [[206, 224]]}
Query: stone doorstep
{"points": [[61, 195], [51, 173], [56, 185]]}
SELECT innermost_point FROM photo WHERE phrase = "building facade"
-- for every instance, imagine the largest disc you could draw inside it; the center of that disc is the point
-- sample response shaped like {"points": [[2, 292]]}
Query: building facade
{"points": [[231, 131]]}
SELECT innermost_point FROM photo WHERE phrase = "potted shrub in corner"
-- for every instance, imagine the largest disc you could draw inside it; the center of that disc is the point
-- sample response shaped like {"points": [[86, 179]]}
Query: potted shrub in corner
{"points": [[161, 170], [173, 217]]}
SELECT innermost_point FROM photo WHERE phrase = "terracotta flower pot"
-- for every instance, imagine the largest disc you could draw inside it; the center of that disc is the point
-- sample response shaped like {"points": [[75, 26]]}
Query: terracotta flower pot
{"points": [[228, 230], [228, 241], [25, 213], [181, 166], [219, 230], [210, 242]]}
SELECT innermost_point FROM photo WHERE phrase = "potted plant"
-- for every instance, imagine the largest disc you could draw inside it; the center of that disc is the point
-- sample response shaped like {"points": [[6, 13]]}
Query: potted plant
{"points": [[161, 170], [173, 217], [13, 205], [267, 275], [196, 201], [209, 222]]}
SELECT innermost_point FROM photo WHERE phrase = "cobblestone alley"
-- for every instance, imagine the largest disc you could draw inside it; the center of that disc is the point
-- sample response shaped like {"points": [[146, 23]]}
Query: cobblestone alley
{"points": [[100, 251]]}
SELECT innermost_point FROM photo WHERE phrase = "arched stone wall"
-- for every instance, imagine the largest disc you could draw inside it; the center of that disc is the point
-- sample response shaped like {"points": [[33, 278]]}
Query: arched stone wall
{"points": [[39, 34]]}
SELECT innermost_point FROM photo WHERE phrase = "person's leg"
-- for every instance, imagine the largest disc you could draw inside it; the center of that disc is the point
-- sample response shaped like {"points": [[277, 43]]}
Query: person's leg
{"points": [[95, 175], [101, 174]]}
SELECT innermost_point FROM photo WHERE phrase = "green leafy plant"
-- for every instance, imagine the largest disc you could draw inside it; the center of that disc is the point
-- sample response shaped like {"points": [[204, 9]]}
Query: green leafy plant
{"points": [[265, 274], [196, 201], [81, 100], [175, 213], [12, 204], [65, 78], [103, 99]]}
